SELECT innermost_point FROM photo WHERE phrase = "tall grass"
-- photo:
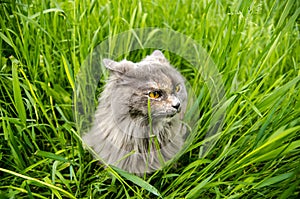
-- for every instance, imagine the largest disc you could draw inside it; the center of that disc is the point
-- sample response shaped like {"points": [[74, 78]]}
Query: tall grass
{"points": [[255, 45]]}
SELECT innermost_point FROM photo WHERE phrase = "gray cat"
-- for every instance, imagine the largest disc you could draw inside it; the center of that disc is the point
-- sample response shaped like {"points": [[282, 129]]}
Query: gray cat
{"points": [[137, 125]]}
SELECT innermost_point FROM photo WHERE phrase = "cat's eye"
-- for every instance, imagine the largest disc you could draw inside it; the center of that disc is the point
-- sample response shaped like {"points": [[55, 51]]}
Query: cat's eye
{"points": [[154, 94], [177, 88]]}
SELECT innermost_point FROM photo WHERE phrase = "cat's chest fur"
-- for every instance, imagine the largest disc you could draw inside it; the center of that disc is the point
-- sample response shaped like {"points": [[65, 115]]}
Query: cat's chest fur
{"points": [[126, 131]]}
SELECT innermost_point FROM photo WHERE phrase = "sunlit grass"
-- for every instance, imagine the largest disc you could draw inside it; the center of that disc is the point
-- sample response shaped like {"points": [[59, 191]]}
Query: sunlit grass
{"points": [[255, 45]]}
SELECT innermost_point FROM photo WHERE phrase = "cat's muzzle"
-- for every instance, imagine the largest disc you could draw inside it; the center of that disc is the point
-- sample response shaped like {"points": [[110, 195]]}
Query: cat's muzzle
{"points": [[177, 106], [173, 112]]}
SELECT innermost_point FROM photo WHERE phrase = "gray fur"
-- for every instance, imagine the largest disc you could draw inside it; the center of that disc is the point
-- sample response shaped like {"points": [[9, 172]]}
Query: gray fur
{"points": [[120, 134]]}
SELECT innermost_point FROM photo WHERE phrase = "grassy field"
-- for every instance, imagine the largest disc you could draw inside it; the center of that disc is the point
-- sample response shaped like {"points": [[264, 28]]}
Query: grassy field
{"points": [[255, 47]]}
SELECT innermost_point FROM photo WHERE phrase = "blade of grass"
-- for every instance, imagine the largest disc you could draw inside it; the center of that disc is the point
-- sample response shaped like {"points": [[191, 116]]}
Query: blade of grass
{"points": [[38, 182], [273, 180], [138, 181], [17, 93]]}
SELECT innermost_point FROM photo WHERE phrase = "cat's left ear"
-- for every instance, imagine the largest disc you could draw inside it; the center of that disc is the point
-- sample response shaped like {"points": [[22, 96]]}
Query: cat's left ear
{"points": [[117, 67], [159, 56]]}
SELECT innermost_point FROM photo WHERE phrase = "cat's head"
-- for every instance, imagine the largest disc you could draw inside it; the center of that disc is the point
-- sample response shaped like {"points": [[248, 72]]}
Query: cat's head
{"points": [[153, 79]]}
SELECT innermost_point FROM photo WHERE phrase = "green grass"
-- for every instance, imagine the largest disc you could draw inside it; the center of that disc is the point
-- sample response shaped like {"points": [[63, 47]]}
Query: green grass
{"points": [[255, 46]]}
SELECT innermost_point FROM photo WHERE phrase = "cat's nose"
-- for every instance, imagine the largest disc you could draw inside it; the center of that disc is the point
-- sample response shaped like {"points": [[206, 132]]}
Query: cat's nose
{"points": [[176, 105], [175, 102]]}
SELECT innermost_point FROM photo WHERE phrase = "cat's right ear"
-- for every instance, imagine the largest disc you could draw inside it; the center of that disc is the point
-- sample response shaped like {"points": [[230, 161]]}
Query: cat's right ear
{"points": [[109, 64], [116, 67]]}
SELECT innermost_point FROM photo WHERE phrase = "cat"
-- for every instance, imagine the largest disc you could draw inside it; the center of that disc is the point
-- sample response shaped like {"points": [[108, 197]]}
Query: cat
{"points": [[138, 122]]}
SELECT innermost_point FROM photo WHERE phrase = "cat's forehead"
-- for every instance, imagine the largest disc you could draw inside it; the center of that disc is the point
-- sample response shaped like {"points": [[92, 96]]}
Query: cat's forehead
{"points": [[155, 68], [157, 75], [159, 82]]}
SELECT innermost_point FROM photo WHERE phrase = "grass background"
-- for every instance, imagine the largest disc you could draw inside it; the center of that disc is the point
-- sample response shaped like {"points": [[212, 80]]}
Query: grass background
{"points": [[255, 45]]}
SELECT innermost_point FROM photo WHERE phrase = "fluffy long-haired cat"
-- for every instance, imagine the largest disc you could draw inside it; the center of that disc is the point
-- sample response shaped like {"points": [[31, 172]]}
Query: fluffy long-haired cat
{"points": [[138, 122]]}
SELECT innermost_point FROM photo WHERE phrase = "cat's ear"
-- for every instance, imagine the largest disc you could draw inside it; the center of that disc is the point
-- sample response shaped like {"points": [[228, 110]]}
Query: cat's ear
{"points": [[118, 67], [159, 56]]}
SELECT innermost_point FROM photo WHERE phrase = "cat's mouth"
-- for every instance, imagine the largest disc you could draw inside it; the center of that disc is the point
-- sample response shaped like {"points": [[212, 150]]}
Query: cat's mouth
{"points": [[169, 114]]}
